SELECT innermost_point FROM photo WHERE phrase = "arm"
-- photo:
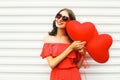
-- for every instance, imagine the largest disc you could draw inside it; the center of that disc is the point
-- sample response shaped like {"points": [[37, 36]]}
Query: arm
{"points": [[52, 62], [80, 62], [55, 61]]}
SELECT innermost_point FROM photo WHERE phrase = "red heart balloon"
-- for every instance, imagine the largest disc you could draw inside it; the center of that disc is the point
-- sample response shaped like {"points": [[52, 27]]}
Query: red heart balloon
{"points": [[81, 31], [98, 47]]}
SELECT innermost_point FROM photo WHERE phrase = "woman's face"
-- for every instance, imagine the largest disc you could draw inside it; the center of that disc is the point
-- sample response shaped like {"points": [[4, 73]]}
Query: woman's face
{"points": [[61, 19]]}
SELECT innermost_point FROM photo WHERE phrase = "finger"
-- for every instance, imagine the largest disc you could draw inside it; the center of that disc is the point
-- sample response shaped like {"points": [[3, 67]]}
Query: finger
{"points": [[84, 42], [81, 50]]}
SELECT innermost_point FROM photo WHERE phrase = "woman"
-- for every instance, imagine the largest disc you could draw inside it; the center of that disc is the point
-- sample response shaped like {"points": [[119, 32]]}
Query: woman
{"points": [[64, 56]]}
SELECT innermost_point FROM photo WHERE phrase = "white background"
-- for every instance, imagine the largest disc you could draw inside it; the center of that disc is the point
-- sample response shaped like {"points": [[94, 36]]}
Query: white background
{"points": [[24, 23]]}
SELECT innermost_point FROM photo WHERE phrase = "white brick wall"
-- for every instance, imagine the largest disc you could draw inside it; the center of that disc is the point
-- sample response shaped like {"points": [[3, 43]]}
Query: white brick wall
{"points": [[23, 23]]}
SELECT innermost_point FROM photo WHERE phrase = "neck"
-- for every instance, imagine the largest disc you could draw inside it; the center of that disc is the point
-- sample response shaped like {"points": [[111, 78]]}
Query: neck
{"points": [[61, 32], [61, 35]]}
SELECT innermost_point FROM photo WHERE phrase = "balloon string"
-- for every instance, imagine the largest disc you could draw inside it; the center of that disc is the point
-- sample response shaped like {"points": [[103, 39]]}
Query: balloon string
{"points": [[85, 67], [85, 63]]}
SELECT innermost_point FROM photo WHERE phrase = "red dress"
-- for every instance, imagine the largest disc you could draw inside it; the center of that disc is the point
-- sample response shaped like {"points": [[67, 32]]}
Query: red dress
{"points": [[66, 69]]}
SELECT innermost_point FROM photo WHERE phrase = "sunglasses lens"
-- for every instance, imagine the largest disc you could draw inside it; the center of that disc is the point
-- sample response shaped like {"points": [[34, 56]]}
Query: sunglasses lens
{"points": [[65, 18], [58, 16]]}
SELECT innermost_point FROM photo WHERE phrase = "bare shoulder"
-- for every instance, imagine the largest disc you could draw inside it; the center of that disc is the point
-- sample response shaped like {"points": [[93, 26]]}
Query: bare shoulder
{"points": [[48, 39]]}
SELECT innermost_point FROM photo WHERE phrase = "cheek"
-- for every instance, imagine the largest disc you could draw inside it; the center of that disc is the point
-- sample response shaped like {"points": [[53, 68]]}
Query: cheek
{"points": [[65, 24]]}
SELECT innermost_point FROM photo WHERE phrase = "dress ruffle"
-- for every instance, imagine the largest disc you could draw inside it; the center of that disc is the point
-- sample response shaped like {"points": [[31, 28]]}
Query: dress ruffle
{"points": [[47, 50], [54, 49]]}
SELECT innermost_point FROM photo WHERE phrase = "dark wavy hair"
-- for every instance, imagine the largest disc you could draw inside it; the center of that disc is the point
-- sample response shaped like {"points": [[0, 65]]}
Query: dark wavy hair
{"points": [[71, 14]]}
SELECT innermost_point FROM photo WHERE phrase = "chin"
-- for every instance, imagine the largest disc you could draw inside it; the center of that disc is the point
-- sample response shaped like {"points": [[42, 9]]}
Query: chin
{"points": [[61, 26]]}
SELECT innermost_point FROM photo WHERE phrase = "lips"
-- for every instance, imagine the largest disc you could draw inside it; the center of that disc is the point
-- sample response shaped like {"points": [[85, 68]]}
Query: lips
{"points": [[59, 23]]}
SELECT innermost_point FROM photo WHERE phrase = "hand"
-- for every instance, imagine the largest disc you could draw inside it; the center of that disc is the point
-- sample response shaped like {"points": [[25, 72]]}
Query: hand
{"points": [[78, 45]]}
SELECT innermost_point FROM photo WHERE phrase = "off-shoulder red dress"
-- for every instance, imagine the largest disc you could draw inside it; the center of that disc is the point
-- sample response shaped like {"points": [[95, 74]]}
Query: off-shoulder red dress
{"points": [[66, 69]]}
